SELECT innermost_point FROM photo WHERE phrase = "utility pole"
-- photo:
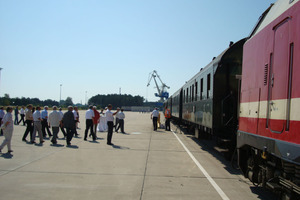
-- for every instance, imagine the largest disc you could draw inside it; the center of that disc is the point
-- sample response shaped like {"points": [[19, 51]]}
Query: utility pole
{"points": [[0, 74], [60, 95]]}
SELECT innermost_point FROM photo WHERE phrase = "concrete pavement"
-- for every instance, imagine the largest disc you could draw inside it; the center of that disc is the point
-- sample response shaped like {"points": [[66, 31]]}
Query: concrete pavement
{"points": [[142, 164]]}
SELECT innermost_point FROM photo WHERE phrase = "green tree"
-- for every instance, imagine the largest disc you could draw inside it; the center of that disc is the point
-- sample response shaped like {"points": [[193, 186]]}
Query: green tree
{"points": [[68, 101], [6, 100]]}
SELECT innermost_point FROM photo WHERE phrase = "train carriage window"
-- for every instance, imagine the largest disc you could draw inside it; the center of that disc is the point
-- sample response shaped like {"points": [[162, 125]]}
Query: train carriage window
{"points": [[201, 89], [184, 96], [193, 92], [187, 95], [208, 85], [190, 96], [196, 90]]}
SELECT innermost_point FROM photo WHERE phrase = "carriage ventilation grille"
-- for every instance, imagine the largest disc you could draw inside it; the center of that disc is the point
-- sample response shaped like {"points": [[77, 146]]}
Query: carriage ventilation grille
{"points": [[266, 75]]}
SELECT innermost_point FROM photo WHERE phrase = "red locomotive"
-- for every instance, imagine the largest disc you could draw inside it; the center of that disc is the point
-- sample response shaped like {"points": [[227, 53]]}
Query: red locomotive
{"points": [[268, 139]]}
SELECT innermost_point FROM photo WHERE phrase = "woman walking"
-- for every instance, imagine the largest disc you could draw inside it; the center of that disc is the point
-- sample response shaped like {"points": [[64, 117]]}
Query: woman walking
{"points": [[7, 126]]}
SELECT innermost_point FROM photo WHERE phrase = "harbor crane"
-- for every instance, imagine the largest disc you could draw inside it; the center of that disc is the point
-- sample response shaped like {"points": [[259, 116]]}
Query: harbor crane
{"points": [[162, 93]]}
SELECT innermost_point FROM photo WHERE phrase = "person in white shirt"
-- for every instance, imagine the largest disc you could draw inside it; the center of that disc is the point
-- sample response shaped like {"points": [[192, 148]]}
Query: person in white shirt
{"points": [[77, 121], [22, 113], [110, 123], [55, 121], [121, 117], [8, 129], [37, 126], [154, 116], [89, 116]]}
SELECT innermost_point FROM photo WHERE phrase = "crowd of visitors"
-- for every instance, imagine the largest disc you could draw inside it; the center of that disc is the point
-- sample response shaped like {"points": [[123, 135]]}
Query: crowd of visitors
{"points": [[39, 121]]}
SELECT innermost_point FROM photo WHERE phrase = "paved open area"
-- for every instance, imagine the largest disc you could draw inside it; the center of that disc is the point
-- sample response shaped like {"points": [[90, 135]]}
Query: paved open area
{"points": [[142, 164]]}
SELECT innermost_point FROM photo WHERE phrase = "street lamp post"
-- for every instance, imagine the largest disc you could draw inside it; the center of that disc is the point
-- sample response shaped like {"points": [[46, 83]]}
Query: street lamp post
{"points": [[0, 73], [60, 95]]}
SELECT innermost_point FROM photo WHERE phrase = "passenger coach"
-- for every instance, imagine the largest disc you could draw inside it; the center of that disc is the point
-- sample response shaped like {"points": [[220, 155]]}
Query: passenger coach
{"points": [[209, 101]]}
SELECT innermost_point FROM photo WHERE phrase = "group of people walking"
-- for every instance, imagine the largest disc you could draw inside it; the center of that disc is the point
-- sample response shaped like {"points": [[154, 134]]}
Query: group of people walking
{"points": [[38, 121], [155, 118]]}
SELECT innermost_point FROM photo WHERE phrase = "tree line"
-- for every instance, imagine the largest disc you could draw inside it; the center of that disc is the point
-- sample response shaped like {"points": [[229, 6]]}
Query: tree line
{"points": [[101, 101], [117, 100], [7, 101]]}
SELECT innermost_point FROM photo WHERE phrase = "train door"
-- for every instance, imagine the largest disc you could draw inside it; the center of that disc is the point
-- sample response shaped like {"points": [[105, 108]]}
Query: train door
{"points": [[279, 85]]}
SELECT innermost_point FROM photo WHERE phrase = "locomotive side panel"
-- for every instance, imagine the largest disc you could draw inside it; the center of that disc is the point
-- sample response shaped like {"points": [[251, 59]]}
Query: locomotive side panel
{"points": [[270, 66], [268, 139]]}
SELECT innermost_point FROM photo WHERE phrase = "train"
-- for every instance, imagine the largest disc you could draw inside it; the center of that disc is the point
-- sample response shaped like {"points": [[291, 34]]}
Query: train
{"points": [[248, 98]]}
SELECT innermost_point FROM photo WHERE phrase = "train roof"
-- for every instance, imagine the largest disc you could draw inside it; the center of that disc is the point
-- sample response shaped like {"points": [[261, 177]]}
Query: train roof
{"points": [[214, 62], [218, 59], [274, 11]]}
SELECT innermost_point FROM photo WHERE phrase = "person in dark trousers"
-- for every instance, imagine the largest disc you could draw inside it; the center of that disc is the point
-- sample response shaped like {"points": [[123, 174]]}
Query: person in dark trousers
{"points": [[89, 116], [167, 118], [29, 122], [22, 114], [117, 120], [110, 123], [154, 117], [69, 124], [121, 116], [45, 126], [16, 122], [61, 125]]}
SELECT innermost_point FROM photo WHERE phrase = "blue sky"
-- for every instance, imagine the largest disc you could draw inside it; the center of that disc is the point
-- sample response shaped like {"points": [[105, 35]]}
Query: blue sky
{"points": [[96, 47]]}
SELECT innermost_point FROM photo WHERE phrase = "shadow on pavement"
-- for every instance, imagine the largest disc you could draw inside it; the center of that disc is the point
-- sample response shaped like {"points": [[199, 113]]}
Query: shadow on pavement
{"points": [[119, 147], [57, 145], [72, 146], [94, 141], [263, 193]]}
